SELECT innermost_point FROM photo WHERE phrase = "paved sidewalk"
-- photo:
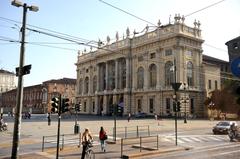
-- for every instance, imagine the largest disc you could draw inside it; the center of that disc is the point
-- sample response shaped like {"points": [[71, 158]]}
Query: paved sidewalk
{"points": [[33, 130]]}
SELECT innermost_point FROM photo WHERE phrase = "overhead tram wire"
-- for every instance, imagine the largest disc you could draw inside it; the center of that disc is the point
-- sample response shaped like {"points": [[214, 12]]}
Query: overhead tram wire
{"points": [[79, 43], [64, 34], [211, 5], [127, 12], [65, 38], [75, 42]]}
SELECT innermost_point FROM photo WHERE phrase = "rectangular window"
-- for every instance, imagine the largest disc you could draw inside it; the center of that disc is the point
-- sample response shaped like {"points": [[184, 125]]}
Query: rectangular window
{"points": [[168, 52], [151, 105], [152, 55], [140, 58], [85, 107], [192, 106], [168, 105], [216, 84], [209, 84], [139, 103], [93, 106]]}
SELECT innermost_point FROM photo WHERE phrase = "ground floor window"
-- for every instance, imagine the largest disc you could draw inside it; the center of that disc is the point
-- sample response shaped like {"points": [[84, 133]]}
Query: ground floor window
{"points": [[151, 105], [93, 106], [192, 111], [139, 105], [85, 106], [168, 105]]}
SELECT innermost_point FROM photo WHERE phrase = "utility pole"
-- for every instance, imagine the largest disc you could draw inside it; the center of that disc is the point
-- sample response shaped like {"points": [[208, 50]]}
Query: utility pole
{"points": [[21, 70], [175, 86]]}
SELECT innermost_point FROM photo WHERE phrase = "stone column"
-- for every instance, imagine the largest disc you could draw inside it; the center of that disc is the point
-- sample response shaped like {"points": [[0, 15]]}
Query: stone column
{"points": [[116, 74], [97, 107], [115, 99], [105, 104], [126, 104], [158, 76], [106, 77], [127, 73], [146, 78], [98, 78]]}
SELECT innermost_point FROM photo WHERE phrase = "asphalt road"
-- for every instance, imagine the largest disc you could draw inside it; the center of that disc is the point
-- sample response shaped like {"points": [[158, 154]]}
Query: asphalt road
{"points": [[196, 135]]}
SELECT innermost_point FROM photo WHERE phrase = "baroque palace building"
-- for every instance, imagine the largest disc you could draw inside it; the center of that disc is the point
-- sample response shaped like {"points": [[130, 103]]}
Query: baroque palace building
{"points": [[136, 72]]}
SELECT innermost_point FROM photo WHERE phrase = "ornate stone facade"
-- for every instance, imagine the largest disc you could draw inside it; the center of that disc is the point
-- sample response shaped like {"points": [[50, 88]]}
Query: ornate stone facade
{"points": [[136, 72]]}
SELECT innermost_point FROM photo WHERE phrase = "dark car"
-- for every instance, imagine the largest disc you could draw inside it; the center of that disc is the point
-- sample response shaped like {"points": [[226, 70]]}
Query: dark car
{"points": [[141, 115], [222, 127]]}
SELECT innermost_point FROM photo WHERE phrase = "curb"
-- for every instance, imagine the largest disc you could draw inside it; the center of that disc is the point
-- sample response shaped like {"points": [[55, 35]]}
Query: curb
{"points": [[155, 152]]}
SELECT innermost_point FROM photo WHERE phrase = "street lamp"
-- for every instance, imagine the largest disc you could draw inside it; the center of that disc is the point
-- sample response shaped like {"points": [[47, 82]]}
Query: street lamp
{"points": [[211, 106], [20, 73]]}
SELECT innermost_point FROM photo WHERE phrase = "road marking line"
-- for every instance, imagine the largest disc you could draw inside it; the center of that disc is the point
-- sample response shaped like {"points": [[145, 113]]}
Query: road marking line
{"points": [[225, 153], [215, 138], [185, 139], [196, 139]]}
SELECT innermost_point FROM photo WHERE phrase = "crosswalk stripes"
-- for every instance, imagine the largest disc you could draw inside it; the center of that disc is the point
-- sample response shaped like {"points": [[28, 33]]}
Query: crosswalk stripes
{"points": [[194, 138]]}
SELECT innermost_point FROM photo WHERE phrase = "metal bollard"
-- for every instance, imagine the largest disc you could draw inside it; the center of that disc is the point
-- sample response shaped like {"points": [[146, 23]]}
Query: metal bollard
{"points": [[121, 147], [43, 143], [125, 132], [137, 132], [140, 144]]}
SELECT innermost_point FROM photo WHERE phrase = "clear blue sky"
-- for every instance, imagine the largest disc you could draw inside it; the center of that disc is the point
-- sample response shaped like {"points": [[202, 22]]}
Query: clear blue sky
{"points": [[92, 19]]}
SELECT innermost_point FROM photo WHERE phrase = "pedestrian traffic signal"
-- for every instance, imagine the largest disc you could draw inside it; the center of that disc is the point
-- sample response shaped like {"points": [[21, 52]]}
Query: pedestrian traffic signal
{"points": [[78, 107], [176, 106], [65, 105], [55, 105]]}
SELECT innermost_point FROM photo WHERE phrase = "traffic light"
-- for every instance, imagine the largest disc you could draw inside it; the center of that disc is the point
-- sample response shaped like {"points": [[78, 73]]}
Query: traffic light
{"points": [[78, 107], [65, 105], [55, 105], [178, 106]]}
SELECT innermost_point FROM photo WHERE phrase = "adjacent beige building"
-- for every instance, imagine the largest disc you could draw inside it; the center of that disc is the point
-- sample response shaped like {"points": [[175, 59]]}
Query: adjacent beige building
{"points": [[136, 72], [7, 81]]}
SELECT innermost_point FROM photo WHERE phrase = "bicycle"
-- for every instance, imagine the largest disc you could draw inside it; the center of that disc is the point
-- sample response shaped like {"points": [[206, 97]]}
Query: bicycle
{"points": [[89, 153]]}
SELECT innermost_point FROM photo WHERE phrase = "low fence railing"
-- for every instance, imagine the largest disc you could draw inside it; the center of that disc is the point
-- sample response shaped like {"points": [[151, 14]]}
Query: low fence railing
{"points": [[143, 142], [64, 139], [133, 131]]}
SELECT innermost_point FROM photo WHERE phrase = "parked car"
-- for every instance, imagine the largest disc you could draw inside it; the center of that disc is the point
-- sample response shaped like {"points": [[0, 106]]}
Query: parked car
{"points": [[141, 115], [222, 127]]}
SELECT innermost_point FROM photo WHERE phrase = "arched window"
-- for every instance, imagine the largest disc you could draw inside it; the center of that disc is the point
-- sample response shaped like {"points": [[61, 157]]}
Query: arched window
{"points": [[86, 84], [140, 77], [80, 86], [153, 75], [190, 73], [94, 84], [169, 73]]}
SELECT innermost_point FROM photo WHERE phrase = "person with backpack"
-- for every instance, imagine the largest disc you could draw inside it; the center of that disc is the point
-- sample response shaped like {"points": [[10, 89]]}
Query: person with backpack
{"points": [[102, 138]]}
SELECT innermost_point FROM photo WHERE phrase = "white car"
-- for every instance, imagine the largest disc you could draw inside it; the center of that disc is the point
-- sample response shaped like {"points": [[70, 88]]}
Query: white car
{"points": [[223, 127]]}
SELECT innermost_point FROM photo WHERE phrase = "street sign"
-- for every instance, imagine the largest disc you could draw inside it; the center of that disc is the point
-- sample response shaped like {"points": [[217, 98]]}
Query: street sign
{"points": [[235, 67]]}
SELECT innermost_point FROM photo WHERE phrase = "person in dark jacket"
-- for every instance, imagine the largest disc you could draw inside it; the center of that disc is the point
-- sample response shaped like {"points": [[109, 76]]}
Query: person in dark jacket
{"points": [[103, 138]]}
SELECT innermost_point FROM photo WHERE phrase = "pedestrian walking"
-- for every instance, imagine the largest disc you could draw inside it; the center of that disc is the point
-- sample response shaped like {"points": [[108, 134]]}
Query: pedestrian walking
{"points": [[129, 116], [156, 117], [86, 139], [103, 138]]}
